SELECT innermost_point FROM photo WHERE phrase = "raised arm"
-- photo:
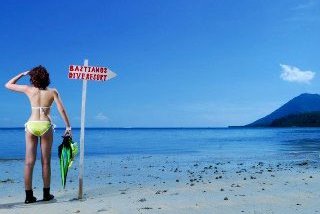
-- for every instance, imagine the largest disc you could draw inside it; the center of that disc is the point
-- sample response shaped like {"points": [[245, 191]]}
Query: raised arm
{"points": [[62, 111], [11, 84]]}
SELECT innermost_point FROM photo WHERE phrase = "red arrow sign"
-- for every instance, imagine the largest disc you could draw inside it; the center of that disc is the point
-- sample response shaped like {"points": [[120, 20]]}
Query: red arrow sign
{"points": [[90, 73]]}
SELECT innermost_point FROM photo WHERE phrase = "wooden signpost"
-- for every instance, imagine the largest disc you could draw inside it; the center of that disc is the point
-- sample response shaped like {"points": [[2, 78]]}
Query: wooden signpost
{"points": [[86, 72]]}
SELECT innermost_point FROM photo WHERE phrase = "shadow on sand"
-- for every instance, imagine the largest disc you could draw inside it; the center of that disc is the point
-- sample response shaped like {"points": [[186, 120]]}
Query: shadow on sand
{"points": [[23, 205]]}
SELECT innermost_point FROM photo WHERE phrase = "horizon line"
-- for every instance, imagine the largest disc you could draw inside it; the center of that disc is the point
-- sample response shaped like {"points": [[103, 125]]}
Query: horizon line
{"points": [[140, 127]]}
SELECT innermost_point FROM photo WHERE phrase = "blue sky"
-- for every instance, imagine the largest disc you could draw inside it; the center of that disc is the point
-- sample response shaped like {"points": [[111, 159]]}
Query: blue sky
{"points": [[179, 63]]}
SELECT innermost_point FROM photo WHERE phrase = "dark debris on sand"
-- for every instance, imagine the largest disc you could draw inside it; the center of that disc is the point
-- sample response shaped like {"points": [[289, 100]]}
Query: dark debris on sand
{"points": [[142, 200], [8, 180]]}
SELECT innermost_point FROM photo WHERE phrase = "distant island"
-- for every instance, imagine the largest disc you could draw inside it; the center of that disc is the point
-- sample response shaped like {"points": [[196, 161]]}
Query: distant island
{"points": [[301, 111], [310, 119]]}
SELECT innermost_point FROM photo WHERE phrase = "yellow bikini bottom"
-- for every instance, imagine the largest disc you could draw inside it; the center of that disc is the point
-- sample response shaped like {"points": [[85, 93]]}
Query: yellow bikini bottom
{"points": [[38, 128]]}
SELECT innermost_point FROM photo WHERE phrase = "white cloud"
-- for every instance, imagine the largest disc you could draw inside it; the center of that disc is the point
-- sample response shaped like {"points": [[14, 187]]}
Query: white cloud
{"points": [[293, 74], [100, 116], [306, 11], [305, 5]]}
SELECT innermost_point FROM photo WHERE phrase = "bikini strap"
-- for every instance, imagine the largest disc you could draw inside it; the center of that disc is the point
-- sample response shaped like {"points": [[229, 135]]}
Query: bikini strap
{"points": [[41, 108]]}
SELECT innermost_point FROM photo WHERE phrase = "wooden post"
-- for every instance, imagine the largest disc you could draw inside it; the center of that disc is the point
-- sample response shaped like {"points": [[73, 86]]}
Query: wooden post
{"points": [[83, 112]]}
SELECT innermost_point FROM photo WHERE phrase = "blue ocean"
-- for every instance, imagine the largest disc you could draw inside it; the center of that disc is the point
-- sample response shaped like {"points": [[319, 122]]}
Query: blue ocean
{"points": [[216, 143]]}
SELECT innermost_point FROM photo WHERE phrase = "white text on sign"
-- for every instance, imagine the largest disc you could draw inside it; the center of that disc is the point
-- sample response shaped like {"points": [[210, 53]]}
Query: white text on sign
{"points": [[89, 73]]}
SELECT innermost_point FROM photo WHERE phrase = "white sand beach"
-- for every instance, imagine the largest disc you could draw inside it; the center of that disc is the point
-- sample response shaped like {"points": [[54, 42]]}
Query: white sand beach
{"points": [[153, 184]]}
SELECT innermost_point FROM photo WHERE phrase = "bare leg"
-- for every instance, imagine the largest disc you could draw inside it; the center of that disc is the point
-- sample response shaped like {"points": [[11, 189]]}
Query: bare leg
{"points": [[46, 145], [31, 153]]}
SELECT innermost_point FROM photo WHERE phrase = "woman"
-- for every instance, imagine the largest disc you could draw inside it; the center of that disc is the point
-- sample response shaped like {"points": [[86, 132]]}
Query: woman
{"points": [[39, 125]]}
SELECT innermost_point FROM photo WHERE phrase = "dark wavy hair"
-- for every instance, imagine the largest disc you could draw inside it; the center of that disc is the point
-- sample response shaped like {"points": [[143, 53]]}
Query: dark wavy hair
{"points": [[39, 77]]}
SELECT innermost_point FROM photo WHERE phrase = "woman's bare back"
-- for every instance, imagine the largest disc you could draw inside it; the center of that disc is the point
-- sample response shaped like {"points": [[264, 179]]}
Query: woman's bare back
{"points": [[41, 101]]}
